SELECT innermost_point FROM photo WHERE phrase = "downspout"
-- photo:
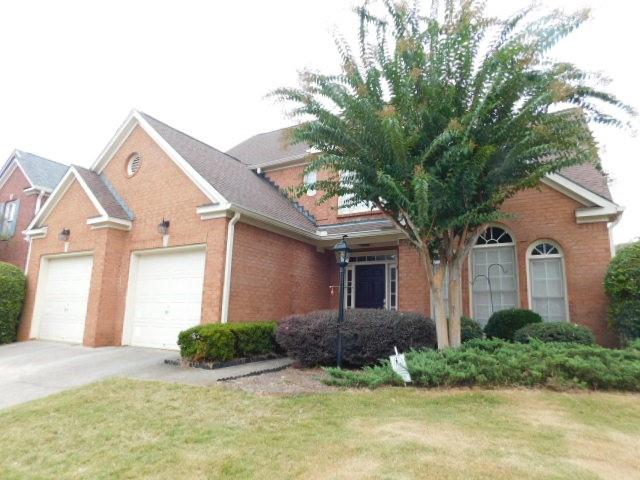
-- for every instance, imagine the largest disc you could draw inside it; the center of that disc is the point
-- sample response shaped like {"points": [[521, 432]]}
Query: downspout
{"points": [[226, 286]]}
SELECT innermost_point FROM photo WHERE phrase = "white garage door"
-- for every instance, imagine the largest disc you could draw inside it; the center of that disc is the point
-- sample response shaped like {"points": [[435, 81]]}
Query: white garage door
{"points": [[167, 297], [65, 292]]}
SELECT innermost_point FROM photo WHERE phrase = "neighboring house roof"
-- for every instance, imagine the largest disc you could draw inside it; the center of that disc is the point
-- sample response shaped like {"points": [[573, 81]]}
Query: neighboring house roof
{"points": [[105, 195], [269, 148], [232, 179], [40, 172]]}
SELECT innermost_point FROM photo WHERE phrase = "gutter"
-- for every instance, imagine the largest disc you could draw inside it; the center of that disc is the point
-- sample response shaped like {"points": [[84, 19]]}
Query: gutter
{"points": [[226, 286]]}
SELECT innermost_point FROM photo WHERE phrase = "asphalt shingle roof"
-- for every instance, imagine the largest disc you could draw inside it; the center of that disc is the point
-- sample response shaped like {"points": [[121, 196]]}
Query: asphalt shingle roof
{"points": [[269, 147], [274, 147], [236, 182], [589, 177], [42, 172], [103, 194]]}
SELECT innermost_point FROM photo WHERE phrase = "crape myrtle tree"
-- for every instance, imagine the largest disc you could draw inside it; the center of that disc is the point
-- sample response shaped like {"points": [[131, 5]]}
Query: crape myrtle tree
{"points": [[438, 117]]}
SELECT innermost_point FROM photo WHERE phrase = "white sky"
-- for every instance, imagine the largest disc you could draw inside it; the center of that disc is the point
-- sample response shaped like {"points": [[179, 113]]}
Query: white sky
{"points": [[72, 70]]}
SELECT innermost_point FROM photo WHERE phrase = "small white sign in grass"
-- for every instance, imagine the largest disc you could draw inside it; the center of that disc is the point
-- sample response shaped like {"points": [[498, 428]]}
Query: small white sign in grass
{"points": [[399, 365]]}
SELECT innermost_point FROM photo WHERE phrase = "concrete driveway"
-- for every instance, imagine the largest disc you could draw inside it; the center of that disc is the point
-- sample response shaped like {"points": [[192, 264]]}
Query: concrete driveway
{"points": [[35, 369]]}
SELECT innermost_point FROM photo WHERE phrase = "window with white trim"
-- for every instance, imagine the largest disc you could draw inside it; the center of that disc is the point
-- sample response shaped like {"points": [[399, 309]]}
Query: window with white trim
{"points": [[310, 179], [546, 282], [494, 274], [9, 218], [345, 178]]}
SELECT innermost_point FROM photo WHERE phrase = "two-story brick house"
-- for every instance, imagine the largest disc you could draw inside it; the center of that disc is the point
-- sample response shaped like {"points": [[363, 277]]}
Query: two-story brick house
{"points": [[26, 181], [164, 232]]}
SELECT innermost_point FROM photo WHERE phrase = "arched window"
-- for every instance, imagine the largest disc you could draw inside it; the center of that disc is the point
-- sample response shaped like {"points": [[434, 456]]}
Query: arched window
{"points": [[493, 274], [547, 288]]}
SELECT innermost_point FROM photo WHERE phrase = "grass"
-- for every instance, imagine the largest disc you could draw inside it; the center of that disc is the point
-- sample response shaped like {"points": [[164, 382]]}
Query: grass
{"points": [[134, 429]]}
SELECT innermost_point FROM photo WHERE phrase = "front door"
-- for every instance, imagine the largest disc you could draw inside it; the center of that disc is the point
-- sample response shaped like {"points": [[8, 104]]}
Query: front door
{"points": [[370, 286]]}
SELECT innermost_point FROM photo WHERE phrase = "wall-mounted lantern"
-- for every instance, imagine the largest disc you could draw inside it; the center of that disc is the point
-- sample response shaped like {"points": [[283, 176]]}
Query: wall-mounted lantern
{"points": [[63, 236], [163, 227]]}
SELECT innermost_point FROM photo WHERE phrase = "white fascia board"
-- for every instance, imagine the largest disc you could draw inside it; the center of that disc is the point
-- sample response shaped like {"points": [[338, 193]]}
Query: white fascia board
{"points": [[599, 209], [191, 173], [35, 233], [115, 143], [598, 214], [109, 222], [286, 162], [36, 190], [208, 212], [575, 191]]}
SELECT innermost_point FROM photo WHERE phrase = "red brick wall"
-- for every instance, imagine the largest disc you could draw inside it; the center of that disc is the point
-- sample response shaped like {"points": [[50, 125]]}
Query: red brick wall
{"points": [[538, 214], [274, 276], [15, 250]]}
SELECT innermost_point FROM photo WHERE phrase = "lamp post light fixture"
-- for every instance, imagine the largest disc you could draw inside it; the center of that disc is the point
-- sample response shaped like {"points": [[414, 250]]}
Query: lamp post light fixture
{"points": [[63, 236], [163, 227], [341, 249]]}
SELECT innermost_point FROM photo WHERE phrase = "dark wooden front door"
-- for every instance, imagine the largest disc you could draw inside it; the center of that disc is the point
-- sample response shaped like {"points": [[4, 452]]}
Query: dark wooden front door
{"points": [[370, 286]]}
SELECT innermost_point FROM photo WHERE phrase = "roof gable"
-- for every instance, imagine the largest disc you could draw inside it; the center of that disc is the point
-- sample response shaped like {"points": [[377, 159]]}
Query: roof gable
{"points": [[105, 202], [238, 184], [41, 173]]}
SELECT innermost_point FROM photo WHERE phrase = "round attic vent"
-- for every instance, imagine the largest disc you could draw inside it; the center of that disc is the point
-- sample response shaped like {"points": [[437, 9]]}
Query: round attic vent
{"points": [[133, 165]]}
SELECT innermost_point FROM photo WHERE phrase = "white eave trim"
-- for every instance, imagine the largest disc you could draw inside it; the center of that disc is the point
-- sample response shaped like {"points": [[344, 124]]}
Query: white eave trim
{"points": [[36, 190], [598, 208], [109, 222], [35, 233], [136, 119]]}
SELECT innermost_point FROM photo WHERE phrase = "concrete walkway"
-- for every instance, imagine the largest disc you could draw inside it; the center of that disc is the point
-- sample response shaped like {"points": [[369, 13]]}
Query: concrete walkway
{"points": [[35, 369]]}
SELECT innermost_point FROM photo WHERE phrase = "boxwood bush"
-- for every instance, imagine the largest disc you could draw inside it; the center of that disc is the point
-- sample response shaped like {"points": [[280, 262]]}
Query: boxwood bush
{"points": [[504, 323], [222, 342], [622, 284], [367, 335], [555, 332], [470, 329], [498, 363], [12, 289]]}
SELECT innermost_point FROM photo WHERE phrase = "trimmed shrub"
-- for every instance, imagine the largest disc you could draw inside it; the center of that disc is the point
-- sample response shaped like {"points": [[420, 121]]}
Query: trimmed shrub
{"points": [[497, 363], [625, 318], [555, 332], [503, 324], [12, 289], [256, 338], [367, 335], [222, 342], [470, 329], [622, 284]]}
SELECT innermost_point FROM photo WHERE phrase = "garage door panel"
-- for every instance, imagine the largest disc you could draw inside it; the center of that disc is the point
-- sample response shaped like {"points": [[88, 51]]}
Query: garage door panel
{"points": [[65, 296], [167, 296]]}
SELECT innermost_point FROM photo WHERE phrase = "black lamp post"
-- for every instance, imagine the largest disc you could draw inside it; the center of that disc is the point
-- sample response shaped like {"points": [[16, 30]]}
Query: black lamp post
{"points": [[342, 251]]}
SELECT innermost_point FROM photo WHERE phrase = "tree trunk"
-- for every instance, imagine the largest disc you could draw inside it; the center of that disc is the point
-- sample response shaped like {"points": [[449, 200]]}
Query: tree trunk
{"points": [[440, 307], [455, 304]]}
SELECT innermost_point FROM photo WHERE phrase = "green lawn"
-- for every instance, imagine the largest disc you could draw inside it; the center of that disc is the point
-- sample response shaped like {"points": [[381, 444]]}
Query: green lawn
{"points": [[134, 429]]}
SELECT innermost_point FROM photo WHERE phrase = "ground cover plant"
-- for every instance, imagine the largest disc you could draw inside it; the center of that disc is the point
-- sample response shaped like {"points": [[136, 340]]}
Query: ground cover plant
{"points": [[498, 363]]}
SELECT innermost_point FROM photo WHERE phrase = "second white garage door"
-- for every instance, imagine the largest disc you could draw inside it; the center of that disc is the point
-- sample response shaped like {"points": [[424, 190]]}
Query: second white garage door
{"points": [[166, 297]]}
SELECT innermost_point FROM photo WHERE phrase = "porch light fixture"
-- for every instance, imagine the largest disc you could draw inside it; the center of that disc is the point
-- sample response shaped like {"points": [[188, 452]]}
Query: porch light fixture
{"points": [[342, 251], [163, 227], [63, 236]]}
